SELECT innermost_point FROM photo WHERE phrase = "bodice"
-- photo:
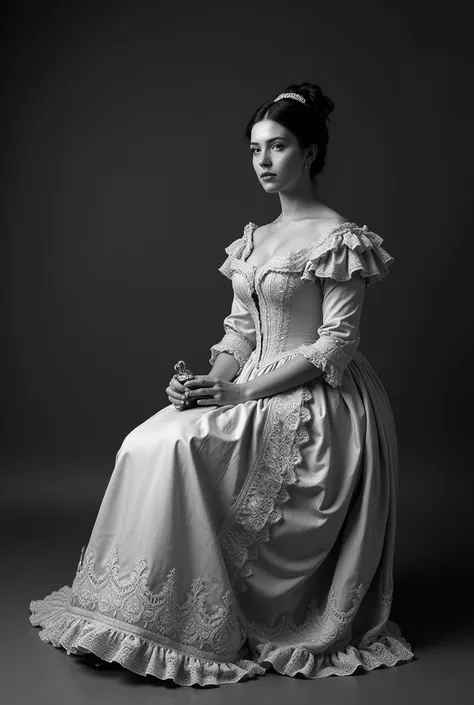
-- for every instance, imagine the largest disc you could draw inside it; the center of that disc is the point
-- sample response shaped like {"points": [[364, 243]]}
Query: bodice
{"points": [[286, 311], [285, 295]]}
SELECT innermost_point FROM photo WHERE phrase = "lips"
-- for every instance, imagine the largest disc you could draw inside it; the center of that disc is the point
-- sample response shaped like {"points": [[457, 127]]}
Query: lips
{"points": [[267, 173]]}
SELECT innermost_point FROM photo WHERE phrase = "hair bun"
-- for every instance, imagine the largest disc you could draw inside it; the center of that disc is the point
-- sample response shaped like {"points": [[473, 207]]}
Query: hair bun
{"points": [[315, 98]]}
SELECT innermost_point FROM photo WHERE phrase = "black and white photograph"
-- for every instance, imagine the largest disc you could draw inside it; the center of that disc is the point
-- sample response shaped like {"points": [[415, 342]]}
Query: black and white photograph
{"points": [[236, 252]]}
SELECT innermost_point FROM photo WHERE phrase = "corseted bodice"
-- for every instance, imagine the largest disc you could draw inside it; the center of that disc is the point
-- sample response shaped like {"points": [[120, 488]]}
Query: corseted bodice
{"points": [[287, 297], [286, 311]]}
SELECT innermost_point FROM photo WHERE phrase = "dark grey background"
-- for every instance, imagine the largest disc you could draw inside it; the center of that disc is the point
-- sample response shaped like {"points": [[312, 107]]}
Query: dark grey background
{"points": [[125, 176]]}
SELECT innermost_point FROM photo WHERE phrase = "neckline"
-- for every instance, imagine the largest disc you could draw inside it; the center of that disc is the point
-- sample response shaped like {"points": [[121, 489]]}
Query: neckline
{"points": [[251, 227]]}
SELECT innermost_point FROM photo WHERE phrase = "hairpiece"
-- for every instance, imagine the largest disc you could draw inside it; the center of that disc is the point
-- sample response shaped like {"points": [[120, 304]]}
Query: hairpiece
{"points": [[295, 96]]}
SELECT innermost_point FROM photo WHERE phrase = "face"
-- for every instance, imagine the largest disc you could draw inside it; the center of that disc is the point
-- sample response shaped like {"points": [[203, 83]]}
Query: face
{"points": [[276, 149]]}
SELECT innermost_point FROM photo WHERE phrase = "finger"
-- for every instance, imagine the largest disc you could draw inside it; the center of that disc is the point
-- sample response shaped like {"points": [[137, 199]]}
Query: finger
{"points": [[175, 396], [199, 381], [177, 385], [203, 392], [177, 405]]}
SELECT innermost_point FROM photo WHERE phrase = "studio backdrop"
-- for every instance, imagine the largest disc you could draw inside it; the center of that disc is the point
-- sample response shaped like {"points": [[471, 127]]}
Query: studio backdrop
{"points": [[126, 173]]}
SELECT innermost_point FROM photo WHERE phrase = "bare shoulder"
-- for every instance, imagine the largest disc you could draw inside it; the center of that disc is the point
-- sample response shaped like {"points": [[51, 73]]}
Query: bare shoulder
{"points": [[307, 231], [318, 227]]}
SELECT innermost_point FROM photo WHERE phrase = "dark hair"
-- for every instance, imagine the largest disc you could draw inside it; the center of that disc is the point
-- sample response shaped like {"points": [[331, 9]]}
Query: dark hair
{"points": [[308, 122]]}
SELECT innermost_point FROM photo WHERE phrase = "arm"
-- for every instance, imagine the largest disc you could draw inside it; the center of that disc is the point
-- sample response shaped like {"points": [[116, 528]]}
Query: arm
{"points": [[232, 352], [225, 367], [293, 373], [333, 350]]}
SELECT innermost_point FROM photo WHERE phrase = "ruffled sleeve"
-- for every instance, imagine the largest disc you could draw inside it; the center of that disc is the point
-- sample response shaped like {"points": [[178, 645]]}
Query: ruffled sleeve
{"points": [[343, 265], [339, 332], [236, 250], [240, 336], [233, 251], [346, 250], [239, 328]]}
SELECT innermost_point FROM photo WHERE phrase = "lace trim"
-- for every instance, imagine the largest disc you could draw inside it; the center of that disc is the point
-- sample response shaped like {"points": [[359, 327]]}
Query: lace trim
{"points": [[129, 600], [361, 249], [265, 491], [381, 645], [332, 355], [331, 623], [337, 255], [321, 626], [236, 344], [79, 635], [275, 299], [389, 649], [237, 248]]}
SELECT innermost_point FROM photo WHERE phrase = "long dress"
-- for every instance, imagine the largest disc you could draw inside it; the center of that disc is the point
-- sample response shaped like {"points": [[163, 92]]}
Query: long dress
{"points": [[240, 538]]}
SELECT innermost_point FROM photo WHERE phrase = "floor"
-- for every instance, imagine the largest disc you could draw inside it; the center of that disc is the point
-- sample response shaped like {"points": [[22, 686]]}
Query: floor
{"points": [[432, 606]]}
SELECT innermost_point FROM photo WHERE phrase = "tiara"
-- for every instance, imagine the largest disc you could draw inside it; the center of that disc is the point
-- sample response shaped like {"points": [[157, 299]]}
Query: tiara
{"points": [[295, 96]]}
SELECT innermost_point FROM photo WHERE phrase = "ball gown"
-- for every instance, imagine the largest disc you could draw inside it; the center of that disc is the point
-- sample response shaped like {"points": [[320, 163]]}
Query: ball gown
{"points": [[240, 538]]}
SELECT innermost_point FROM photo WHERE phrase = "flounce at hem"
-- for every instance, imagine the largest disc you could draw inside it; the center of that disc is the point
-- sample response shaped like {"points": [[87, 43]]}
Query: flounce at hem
{"points": [[388, 649], [79, 635]]}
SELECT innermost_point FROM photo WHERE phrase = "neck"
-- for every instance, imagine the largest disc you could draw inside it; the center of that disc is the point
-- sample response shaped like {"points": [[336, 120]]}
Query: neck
{"points": [[303, 202]]}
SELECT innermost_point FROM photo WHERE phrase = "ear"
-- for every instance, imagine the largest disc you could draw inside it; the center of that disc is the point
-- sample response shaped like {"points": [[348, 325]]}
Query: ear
{"points": [[311, 152]]}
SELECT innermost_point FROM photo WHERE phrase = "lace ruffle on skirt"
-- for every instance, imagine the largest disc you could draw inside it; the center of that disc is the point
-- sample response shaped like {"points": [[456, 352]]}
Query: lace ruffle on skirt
{"points": [[116, 642]]}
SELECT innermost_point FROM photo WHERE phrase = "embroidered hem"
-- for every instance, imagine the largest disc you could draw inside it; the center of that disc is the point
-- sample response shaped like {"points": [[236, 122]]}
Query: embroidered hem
{"points": [[81, 635], [388, 649]]}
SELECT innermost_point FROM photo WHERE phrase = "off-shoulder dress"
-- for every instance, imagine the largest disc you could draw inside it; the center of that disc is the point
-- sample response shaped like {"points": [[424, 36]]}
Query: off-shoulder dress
{"points": [[236, 539]]}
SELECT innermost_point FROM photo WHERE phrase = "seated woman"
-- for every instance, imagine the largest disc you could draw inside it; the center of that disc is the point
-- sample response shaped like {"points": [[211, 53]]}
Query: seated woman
{"points": [[250, 524]]}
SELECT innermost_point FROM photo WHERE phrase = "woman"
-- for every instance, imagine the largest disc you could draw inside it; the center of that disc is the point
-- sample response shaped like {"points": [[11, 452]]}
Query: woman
{"points": [[255, 528]]}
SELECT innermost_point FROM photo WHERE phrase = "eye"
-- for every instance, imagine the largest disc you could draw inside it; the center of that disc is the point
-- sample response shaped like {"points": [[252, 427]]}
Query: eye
{"points": [[255, 149]]}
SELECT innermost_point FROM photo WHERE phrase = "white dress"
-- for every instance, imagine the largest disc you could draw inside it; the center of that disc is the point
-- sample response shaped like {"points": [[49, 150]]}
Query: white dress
{"points": [[234, 539]]}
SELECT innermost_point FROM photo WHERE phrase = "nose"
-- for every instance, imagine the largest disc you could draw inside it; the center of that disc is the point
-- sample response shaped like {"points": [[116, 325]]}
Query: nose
{"points": [[264, 159]]}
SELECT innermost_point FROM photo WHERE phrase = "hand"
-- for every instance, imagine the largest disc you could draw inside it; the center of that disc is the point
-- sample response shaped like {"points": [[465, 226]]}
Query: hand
{"points": [[175, 392], [216, 391]]}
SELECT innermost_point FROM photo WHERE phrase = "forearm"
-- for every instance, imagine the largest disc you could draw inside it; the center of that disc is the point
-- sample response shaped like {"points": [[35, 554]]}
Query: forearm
{"points": [[293, 373], [225, 367]]}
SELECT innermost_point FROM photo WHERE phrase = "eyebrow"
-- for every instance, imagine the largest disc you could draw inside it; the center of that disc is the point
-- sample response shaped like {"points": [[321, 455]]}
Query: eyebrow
{"points": [[273, 139]]}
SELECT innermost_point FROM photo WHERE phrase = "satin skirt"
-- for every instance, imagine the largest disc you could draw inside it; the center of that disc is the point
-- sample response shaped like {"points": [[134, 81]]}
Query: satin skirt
{"points": [[236, 539]]}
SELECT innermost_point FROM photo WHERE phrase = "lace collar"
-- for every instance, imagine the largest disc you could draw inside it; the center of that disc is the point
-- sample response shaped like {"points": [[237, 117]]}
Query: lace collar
{"points": [[291, 255]]}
